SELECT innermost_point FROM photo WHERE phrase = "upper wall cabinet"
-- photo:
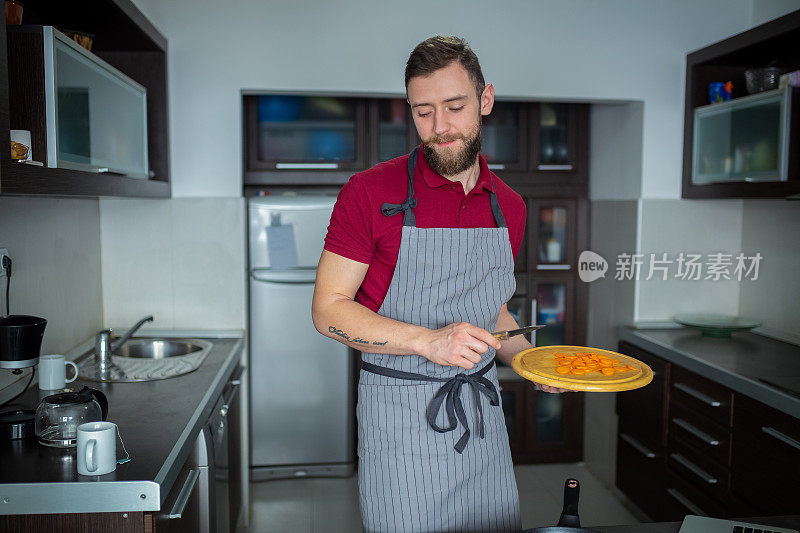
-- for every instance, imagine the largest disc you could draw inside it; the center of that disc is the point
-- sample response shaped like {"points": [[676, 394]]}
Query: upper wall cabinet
{"points": [[97, 114], [747, 146], [294, 139]]}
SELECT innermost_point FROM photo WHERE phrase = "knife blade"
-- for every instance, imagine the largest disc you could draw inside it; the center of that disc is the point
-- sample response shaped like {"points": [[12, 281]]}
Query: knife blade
{"points": [[505, 335]]}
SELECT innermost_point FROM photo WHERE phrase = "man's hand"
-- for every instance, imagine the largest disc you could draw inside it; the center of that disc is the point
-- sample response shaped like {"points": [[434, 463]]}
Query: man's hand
{"points": [[548, 388], [460, 344]]}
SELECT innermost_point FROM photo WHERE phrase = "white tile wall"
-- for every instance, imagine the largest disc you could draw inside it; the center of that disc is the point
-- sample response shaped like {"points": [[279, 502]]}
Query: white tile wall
{"points": [[181, 260], [696, 226], [55, 247], [770, 227]]}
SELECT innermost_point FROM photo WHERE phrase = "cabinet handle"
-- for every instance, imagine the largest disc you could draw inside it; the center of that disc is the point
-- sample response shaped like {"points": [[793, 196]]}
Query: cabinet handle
{"points": [[496, 166], [683, 500], [703, 436], [183, 498], [554, 167], [772, 432], [307, 166], [711, 402], [639, 447], [702, 474]]}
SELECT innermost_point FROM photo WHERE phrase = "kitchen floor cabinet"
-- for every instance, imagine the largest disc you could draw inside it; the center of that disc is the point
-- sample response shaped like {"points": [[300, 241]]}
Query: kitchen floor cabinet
{"points": [[687, 444], [542, 427]]}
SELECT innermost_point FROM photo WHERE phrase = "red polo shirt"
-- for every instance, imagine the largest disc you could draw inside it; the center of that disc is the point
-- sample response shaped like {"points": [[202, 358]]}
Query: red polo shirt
{"points": [[359, 231]]}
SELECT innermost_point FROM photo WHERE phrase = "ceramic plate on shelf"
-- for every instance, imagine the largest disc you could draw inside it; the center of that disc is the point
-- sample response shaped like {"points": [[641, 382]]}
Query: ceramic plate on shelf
{"points": [[712, 325], [547, 365]]}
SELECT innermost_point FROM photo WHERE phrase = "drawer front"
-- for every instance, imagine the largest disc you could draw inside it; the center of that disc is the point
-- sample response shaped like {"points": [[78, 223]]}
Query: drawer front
{"points": [[703, 435], [681, 498], [765, 468], [708, 476], [641, 474], [642, 411], [701, 396]]}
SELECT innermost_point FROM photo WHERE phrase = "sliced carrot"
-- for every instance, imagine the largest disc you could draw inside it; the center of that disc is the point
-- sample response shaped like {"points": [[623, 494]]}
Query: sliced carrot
{"points": [[607, 371], [577, 371], [562, 369]]}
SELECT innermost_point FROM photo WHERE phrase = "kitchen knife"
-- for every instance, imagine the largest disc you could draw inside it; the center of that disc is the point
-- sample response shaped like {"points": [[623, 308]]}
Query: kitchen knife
{"points": [[504, 335]]}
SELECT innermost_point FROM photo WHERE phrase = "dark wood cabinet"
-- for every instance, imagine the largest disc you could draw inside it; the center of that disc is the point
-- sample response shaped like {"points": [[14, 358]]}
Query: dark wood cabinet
{"points": [[558, 141], [765, 468], [642, 438], [127, 41], [773, 43], [687, 444], [542, 427]]}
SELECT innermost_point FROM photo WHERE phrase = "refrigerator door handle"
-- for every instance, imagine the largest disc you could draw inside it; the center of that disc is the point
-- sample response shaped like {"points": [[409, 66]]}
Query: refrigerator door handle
{"points": [[298, 276]]}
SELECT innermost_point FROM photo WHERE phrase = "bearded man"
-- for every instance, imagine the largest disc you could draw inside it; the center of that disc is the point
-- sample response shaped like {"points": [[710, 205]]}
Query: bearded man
{"points": [[417, 270]]}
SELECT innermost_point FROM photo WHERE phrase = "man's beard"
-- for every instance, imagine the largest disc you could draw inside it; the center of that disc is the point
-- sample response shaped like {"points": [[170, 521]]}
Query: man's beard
{"points": [[451, 163]]}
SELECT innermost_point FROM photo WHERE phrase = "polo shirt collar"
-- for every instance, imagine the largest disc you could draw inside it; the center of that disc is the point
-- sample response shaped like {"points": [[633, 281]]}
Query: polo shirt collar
{"points": [[433, 179]]}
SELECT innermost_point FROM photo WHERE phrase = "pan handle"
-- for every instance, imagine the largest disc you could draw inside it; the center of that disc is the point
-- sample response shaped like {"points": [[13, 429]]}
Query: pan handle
{"points": [[569, 515]]}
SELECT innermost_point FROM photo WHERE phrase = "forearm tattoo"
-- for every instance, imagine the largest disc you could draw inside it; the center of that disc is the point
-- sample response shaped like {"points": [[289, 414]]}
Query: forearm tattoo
{"points": [[357, 340]]}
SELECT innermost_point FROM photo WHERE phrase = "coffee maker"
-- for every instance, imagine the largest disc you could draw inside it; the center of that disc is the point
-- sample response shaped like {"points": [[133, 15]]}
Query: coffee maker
{"points": [[20, 341]]}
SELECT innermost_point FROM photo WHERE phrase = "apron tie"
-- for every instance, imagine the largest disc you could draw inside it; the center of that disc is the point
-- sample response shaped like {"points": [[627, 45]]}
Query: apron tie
{"points": [[449, 394], [389, 210]]}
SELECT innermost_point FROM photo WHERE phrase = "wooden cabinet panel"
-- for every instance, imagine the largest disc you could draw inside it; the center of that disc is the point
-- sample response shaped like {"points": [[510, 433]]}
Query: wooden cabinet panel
{"points": [[73, 523], [642, 412], [698, 432], [542, 427], [765, 457], [698, 469], [641, 474], [681, 498], [701, 396]]}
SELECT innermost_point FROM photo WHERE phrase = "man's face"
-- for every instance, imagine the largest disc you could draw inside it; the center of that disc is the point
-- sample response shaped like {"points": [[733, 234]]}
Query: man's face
{"points": [[447, 114]]}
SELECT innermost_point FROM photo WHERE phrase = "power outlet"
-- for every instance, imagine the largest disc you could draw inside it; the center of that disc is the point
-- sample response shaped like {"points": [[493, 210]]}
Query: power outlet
{"points": [[3, 253]]}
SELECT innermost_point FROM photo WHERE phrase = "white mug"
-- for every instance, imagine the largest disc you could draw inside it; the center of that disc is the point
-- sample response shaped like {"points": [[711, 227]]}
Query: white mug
{"points": [[53, 372], [97, 448]]}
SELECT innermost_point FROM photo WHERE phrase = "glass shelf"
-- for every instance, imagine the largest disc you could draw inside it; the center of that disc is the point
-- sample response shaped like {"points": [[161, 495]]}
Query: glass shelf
{"points": [[742, 140]]}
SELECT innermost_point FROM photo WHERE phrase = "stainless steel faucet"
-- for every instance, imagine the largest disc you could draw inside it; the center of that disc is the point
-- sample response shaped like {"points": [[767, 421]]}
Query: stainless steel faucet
{"points": [[105, 369]]}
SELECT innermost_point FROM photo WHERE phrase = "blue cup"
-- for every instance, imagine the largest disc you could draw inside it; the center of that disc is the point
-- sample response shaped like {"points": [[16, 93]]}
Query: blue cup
{"points": [[717, 92]]}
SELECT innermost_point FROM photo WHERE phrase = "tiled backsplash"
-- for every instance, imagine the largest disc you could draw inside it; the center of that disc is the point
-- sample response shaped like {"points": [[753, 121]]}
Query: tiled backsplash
{"points": [[181, 260], [771, 228], [55, 247], [689, 226]]}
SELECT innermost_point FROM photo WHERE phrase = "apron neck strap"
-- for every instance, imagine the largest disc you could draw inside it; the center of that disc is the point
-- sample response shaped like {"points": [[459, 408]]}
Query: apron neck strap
{"points": [[406, 207]]}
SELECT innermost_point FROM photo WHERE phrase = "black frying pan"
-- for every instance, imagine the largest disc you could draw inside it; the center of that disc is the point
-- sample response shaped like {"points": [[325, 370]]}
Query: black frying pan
{"points": [[569, 521]]}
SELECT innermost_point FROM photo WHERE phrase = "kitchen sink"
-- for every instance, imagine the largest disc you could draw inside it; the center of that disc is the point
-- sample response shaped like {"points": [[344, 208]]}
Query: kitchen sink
{"points": [[149, 359], [157, 348]]}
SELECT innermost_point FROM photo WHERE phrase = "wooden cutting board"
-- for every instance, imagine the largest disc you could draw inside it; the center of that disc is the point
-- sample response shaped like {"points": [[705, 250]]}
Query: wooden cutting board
{"points": [[539, 365]]}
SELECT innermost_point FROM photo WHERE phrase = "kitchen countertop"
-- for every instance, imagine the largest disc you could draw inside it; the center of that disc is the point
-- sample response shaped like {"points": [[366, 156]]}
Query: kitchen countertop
{"points": [[158, 422], [760, 367]]}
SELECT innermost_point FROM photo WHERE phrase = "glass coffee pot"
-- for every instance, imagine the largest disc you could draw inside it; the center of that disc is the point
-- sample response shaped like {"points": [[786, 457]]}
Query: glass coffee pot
{"points": [[59, 415]]}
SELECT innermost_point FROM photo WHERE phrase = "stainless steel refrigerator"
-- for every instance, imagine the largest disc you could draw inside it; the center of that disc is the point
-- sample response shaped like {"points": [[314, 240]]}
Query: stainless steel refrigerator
{"points": [[301, 383]]}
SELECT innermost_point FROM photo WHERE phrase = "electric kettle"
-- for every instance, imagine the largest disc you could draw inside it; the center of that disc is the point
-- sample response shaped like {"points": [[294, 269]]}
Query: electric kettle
{"points": [[59, 415]]}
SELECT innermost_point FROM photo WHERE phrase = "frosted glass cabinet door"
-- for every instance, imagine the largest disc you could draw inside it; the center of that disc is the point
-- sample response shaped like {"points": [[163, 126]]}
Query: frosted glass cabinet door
{"points": [[742, 140], [100, 116]]}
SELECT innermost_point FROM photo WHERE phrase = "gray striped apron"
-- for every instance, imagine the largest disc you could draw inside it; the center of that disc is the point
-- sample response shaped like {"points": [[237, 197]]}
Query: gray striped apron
{"points": [[432, 443]]}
